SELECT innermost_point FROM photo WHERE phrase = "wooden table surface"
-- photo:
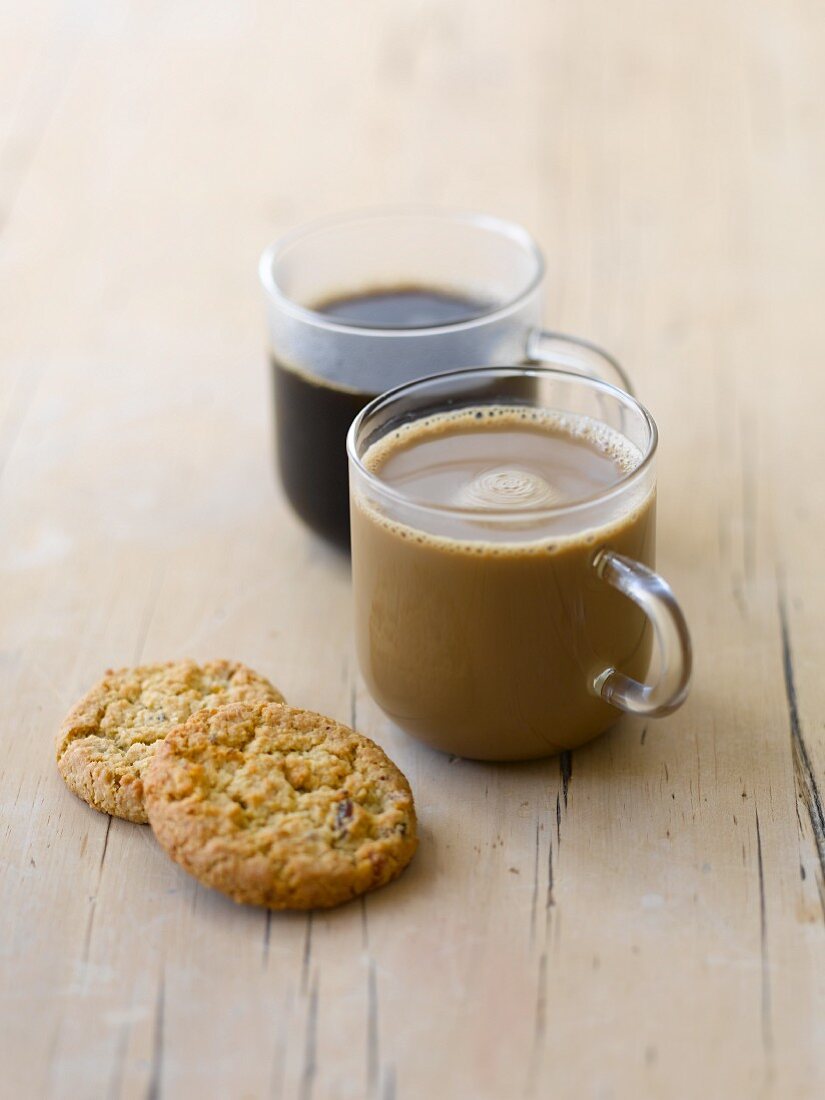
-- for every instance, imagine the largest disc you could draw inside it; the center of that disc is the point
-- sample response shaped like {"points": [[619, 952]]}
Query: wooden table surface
{"points": [[643, 918]]}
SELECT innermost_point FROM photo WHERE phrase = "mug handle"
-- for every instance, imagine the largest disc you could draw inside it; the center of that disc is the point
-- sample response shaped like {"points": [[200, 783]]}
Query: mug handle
{"points": [[576, 355], [654, 596]]}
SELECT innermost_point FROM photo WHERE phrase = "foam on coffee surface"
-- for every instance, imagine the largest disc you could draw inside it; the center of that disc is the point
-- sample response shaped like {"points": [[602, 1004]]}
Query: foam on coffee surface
{"points": [[600, 436], [497, 463], [507, 487]]}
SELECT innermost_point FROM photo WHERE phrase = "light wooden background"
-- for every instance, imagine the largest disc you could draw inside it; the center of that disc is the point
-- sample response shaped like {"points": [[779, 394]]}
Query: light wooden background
{"points": [[646, 918]]}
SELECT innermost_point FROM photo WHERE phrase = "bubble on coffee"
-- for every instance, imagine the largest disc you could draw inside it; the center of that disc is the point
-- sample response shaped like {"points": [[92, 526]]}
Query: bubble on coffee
{"points": [[508, 488]]}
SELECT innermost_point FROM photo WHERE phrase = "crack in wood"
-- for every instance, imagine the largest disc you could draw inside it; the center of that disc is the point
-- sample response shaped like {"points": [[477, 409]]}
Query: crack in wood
{"points": [[373, 1050], [105, 850], [156, 1071], [540, 1011], [767, 1033], [267, 934], [388, 1092], [549, 901], [803, 771], [373, 1057], [307, 953], [279, 1054], [365, 934], [539, 1026], [566, 768], [87, 940], [534, 903], [310, 1066]]}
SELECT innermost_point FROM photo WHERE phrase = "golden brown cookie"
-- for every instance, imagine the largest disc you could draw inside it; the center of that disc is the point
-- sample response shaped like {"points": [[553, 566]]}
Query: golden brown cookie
{"points": [[280, 807], [109, 737]]}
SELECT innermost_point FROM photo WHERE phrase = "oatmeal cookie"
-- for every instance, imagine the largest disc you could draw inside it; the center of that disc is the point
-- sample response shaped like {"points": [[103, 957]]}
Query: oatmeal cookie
{"points": [[280, 807], [111, 734]]}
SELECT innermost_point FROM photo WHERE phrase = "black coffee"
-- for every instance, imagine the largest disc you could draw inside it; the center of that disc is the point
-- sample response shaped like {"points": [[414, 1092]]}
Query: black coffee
{"points": [[401, 307], [313, 416]]}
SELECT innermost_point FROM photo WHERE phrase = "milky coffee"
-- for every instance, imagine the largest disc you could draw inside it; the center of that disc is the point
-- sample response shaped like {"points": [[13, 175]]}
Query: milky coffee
{"points": [[478, 632]]}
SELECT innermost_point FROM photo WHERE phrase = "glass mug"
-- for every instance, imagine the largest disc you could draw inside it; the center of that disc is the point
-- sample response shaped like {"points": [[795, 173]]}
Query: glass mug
{"points": [[326, 367], [509, 627]]}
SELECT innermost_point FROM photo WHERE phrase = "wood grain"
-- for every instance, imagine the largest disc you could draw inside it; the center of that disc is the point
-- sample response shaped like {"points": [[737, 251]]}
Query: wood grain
{"points": [[645, 917]]}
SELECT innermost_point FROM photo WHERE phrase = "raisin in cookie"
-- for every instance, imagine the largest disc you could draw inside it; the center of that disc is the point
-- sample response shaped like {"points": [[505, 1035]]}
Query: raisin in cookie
{"points": [[110, 736], [280, 807]]}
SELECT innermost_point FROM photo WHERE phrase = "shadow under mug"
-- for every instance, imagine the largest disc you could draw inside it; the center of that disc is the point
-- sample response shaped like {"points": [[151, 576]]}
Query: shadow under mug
{"points": [[508, 633], [326, 370]]}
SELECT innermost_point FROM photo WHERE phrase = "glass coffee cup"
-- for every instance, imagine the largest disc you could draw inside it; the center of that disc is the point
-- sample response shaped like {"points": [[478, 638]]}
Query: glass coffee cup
{"points": [[361, 303], [503, 547]]}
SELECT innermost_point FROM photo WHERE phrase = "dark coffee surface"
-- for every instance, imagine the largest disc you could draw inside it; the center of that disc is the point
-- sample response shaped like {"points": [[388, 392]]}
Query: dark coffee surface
{"points": [[312, 417], [401, 307]]}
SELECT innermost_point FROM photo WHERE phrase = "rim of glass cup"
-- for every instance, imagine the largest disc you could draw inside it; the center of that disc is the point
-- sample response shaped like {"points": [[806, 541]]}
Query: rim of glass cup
{"points": [[623, 483], [502, 226]]}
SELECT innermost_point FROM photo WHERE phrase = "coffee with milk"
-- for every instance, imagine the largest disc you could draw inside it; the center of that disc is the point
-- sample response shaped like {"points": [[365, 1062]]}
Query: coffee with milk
{"points": [[476, 632]]}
